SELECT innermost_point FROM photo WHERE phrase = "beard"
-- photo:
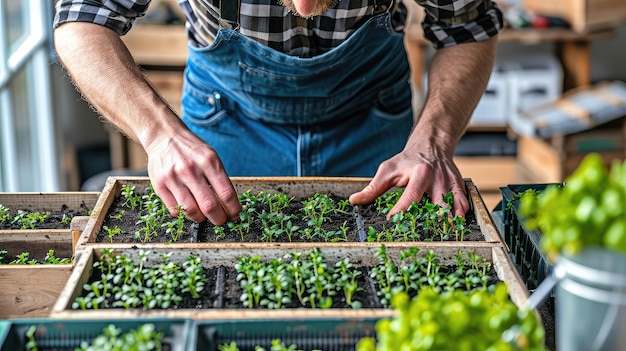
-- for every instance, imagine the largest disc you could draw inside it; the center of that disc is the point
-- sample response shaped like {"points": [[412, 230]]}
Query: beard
{"points": [[321, 7]]}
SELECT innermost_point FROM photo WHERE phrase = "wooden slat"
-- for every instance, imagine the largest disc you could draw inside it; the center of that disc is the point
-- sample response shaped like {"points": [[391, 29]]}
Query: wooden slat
{"points": [[30, 291], [37, 242], [52, 201]]}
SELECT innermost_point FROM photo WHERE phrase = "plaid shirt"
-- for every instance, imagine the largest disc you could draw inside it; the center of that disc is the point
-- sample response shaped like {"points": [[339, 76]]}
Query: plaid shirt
{"points": [[447, 22]]}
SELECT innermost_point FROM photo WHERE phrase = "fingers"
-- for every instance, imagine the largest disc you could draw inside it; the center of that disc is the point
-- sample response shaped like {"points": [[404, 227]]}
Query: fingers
{"points": [[436, 179], [200, 195], [412, 193], [226, 195], [461, 203], [380, 183]]}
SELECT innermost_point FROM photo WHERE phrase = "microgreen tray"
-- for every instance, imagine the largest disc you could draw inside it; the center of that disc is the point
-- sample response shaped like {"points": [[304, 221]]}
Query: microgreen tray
{"points": [[524, 244], [67, 335], [337, 334]]}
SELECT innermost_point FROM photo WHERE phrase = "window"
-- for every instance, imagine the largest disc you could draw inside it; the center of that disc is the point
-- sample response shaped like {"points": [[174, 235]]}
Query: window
{"points": [[28, 154]]}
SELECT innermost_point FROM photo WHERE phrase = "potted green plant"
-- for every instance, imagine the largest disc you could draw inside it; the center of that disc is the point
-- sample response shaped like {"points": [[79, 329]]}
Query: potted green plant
{"points": [[583, 228], [452, 320]]}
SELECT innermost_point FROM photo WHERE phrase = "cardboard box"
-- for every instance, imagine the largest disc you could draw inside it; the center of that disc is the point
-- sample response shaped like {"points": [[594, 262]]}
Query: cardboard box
{"points": [[583, 15]]}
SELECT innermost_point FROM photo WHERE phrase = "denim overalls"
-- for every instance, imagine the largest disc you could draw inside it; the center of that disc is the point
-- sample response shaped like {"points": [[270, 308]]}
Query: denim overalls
{"points": [[267, 113]]}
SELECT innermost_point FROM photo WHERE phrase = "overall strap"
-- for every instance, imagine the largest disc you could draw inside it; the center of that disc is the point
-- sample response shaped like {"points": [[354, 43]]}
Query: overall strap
{"points": [[381, 6], [229, 10]]}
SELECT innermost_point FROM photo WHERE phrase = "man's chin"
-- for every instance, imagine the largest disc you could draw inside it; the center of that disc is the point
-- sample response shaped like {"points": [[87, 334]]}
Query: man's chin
{"points": [[321, 7]]}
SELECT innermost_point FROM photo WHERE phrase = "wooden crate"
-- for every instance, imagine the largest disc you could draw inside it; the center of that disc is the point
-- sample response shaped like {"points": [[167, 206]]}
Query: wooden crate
{"points": [[583, 15], [297, 187], [553, 160], [29, 291], [488, 173], [216, 255], [38, 241]]}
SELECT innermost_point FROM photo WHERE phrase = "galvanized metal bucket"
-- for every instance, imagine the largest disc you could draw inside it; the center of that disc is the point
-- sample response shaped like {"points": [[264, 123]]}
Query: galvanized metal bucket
{"points": [[590, 301]]}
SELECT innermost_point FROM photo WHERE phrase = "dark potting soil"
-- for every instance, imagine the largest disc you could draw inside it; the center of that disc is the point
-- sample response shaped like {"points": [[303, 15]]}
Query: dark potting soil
{"points": [[357, 221], [54, 220]]}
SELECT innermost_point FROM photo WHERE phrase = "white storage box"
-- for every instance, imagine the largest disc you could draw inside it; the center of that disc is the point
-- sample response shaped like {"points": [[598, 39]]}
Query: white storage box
{"points": [[532, 80], [491, 110], [492, 107]]}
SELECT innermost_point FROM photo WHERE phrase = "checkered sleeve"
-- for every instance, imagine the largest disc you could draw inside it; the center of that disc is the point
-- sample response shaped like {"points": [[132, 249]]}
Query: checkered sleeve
{"points": [[452, 22], [117, 15]]}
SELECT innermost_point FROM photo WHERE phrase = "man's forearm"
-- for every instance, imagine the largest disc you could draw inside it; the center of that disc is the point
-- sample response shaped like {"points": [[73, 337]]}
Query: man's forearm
{"points": [[457, 79], [103, 69]]}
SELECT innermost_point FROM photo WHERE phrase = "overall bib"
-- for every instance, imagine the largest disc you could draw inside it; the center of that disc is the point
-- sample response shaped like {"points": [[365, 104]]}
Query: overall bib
{"points": [[267, 113]]}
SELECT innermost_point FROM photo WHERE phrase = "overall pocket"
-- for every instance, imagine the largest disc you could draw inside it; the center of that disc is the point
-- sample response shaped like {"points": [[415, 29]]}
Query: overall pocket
{"points": [[202, 107]]}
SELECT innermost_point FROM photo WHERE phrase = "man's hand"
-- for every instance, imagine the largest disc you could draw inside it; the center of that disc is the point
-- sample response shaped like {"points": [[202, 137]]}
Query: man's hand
{"points": [[185, 171], [457, 78], [420, 173]]}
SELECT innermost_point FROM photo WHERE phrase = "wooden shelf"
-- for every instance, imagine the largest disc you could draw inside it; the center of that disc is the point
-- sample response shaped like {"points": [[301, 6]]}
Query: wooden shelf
{"points": [[158, 45], [533, 36]]}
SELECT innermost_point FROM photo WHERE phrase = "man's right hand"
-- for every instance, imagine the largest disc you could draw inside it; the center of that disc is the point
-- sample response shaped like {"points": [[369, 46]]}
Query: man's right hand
{"points": [[186, 172]]}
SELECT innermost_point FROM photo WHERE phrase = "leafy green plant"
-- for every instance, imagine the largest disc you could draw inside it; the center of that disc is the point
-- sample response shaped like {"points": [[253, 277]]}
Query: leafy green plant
{"points": [[267, 212], [24, 258], [132, 199], [52, 259], [31, 343], [112, 232], [146, 337], [277, 345], [345, 276], [29, 220], [5, 214], [589, 210], [126, 284], [153, 217], [454, 320], [176, 227], [119, 216], [423, 220], [307, 280], [415, 273]]}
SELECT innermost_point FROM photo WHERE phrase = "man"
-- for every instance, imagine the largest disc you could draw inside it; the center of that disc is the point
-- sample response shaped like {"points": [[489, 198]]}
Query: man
{"points": [[289, 87]]}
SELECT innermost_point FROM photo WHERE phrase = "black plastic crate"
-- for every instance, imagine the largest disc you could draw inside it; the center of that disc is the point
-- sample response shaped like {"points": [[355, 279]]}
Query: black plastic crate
{"points": [[62, 335], [524, 244], [331, 334]]}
